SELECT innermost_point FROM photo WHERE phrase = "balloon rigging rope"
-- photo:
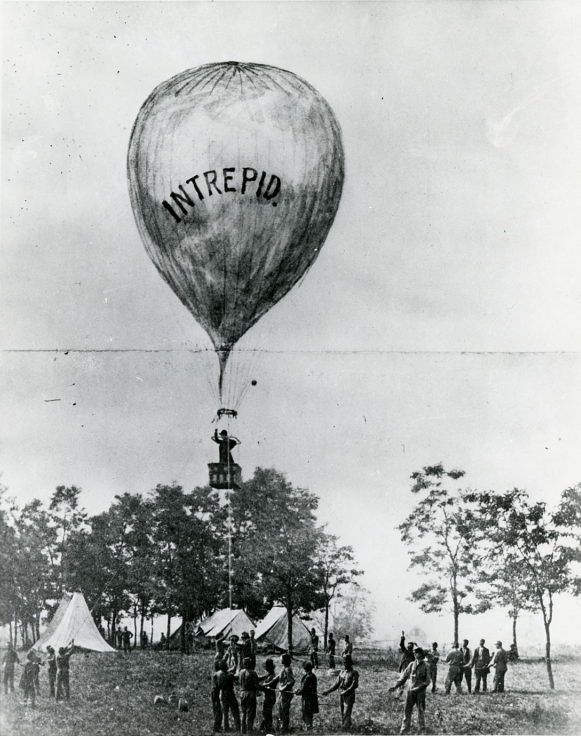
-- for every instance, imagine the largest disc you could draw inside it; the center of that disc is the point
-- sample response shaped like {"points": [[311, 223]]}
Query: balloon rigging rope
{"points": [[229, 501]]}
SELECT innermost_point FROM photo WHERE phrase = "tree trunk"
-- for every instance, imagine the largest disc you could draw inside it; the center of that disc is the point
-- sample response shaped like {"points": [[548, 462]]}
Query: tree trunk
{"points": [[325, 634], [548, 655], [456, 619], [134, 626], [289, 625], [183, 635], [141, 627], [168, 630], [12, 641], [514, 619], [114, 629]]}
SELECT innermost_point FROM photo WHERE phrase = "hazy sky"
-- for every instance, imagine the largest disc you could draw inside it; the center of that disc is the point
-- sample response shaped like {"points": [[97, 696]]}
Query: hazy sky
{"points": [[441, 321]]}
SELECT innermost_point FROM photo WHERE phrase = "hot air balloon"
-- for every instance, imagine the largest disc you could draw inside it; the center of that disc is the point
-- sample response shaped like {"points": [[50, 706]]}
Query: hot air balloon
{"points": [[235, 175]]}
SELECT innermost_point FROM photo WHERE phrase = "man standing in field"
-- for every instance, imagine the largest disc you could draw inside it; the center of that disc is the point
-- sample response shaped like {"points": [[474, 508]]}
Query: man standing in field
{"points": [[331, 646], [28, 677], [249, 689], [225, 684], [346, 683], [126, 637], [314, 649], [417, 676], [500, 663], [51, 660], [253, 648], [286, 681], [216, 705], [480, 662], [407, 656], [10, 659], [455, 662], [467, 671], [433, 658], [233, 654], [62, 671], [269, 683]]}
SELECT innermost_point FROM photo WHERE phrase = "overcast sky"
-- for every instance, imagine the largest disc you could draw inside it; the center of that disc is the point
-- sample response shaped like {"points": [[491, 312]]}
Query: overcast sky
{"points": [[441, 321]]}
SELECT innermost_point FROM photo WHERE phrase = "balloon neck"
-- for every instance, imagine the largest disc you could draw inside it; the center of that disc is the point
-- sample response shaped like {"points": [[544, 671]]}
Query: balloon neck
{"points": [[223, 355]]}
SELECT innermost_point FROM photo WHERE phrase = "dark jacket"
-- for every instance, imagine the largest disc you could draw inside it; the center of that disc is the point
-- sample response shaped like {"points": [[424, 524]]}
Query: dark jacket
{"points": [[407, 657], [480, 658], [308, 693]]}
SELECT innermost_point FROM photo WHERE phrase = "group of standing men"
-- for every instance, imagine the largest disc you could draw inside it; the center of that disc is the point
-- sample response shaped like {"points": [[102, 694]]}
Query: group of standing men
{"points": [[237, 663], [419, 669], [58, 672], [461, 661]]}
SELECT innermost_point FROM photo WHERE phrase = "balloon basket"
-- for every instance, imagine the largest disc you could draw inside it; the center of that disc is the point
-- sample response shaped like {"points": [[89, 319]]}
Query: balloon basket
{"points": [[225, 477]]}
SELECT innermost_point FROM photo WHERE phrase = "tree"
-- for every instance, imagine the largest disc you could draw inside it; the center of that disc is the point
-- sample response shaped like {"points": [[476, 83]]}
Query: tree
{"points": [[188, 552], [505, 584], [9, 599], [516, 528], [352, 614], [278, 539], [439, 532], [67, 517], [336, 569], [33, 564]]}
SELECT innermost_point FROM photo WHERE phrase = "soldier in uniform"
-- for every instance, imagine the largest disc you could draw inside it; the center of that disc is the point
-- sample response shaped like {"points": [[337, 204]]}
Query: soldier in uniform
{"points": [[309, 697], [480, 662], [417, 676], [346, 683], [216, 705], [314, 649], [228, 701], [253, 649], [433, 657], [8, 662], [269, 683], [249, 689], [126, 637], [455, 662], [28, 677], [331, 646], [500, 663], [467, 670], [233, 654], [286, 681], [62, 671], [407, 656], [51, 660]]}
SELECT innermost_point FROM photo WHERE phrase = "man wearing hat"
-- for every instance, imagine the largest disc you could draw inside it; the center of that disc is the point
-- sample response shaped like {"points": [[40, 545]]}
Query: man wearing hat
{"points": [[347, 683], [407, 656], [500, 663], [417, 676], [455, 662]]}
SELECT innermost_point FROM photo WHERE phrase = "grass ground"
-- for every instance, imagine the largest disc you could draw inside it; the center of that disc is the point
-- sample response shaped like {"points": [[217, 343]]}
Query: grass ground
{"points": [[112, 695]]}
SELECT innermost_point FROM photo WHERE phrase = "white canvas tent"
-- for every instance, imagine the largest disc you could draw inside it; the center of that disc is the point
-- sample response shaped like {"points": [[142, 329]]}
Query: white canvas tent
{"points": [[224, 623], [273, 630], [72, 620]]}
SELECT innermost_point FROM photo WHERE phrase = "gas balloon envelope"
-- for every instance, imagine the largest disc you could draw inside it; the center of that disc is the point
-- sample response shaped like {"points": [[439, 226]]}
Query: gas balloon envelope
{"points": [[235, 175]]}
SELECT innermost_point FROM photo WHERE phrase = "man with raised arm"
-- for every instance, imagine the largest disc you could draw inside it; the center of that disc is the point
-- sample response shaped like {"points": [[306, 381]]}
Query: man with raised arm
{"points": [[417, 675]]}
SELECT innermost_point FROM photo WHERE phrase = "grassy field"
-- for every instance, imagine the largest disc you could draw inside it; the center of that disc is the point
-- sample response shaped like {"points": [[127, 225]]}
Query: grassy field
{"points": [[113, 695]]}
